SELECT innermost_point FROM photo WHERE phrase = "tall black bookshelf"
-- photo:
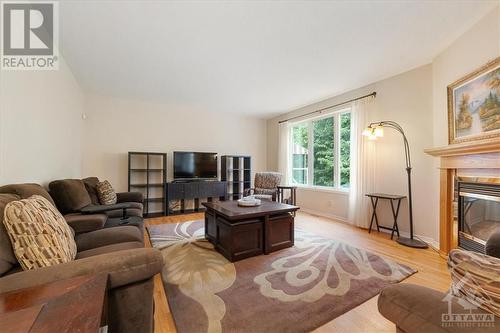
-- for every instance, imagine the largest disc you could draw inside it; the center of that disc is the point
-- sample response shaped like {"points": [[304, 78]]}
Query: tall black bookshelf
{"points": [[147, 173], [236, 171]]}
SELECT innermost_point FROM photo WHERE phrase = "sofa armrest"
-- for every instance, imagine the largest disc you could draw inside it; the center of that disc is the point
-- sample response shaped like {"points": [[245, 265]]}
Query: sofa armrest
{"points": [[129, 197], [493, 244], [86, 223], [419, 309], [96, 209], [124, 267]]}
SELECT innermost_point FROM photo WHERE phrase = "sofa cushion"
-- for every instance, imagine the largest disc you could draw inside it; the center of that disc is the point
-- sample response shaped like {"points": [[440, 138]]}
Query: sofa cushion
{"points": [[39, 234], [476, 278], [69, 195], [136, 209], [7, 256], [106, 193], [108, 249], [419, 309], [136, 197], [91, 186], [26, 190], [85, 222], [107, 236], [493, 244]]}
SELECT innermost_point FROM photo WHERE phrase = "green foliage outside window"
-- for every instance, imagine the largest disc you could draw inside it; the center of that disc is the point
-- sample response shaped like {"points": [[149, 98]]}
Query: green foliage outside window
{"points": [[299, 159], [345, 149], [323, 159], [323, 151], [300, 135]]}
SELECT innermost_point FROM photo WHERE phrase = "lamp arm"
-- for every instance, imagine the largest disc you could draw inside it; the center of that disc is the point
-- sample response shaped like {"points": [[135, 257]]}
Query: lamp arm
{"points": [[397, 127]]}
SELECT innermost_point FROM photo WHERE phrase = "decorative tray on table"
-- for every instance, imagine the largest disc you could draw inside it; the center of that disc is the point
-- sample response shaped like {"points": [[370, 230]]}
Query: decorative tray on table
{"points": [[249, 202]]}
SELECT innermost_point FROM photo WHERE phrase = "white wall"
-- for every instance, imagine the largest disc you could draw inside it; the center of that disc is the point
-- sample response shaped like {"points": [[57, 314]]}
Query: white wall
{"points": [[472, 50], [418, 101], [476, 47], [40, 125], [406, 99], [115, 126]]}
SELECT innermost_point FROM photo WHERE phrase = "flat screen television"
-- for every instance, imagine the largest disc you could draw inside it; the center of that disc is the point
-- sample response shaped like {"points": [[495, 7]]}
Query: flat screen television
{"points": [[193, 165]]}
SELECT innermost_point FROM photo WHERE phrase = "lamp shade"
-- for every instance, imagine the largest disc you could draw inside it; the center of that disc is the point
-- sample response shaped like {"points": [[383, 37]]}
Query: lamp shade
{"points": [[378, 131], [367, 131]]}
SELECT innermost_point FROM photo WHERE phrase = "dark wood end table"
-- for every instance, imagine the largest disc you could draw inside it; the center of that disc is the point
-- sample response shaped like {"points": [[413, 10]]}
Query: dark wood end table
{"points": [[374, 197], [71, 305], [293, 194], [242, 232]]}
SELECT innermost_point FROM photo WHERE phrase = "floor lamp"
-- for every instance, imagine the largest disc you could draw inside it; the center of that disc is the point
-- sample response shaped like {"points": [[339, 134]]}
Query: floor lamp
{"points": [[376, 130]]}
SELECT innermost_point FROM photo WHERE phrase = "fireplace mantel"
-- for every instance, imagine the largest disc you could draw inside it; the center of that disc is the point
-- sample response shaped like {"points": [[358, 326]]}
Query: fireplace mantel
{"points": [[466, 148], [481, 158]]}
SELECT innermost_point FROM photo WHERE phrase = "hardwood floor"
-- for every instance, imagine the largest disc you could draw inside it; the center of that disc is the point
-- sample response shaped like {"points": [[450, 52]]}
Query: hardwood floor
{"points": [[432, 272]]}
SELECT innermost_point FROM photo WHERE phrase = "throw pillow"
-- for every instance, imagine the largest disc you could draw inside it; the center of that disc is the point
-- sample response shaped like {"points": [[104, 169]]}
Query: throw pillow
{"points": [[39, 234], [107, 195], [70, 195], [476, 277], [91, 186]]}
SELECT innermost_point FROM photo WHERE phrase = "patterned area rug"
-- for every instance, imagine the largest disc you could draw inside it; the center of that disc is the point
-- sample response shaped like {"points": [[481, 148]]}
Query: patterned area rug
{"points": [[293, 290]]}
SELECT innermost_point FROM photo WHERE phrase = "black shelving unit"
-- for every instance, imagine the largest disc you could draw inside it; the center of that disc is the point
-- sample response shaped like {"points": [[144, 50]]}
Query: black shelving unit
{"points": [[236, 171], [196, 191], [147, 173]]}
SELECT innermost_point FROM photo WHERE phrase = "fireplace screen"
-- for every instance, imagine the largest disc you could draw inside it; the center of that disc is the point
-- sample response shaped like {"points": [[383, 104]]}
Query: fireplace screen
{"points": [[479, 214]]}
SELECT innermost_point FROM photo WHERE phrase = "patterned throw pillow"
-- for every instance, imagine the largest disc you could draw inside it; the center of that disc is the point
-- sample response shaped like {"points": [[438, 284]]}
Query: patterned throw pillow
{"points": [[476, 277], [39, 234], [107, 195]]}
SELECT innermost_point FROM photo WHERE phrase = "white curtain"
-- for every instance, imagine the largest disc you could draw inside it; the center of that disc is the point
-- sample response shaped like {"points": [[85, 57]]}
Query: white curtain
{"points": [[362, 163], [283, 156]]}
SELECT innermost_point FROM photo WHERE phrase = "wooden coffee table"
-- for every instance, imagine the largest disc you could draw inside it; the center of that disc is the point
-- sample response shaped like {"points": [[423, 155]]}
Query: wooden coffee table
{"points": [[242, 232]]}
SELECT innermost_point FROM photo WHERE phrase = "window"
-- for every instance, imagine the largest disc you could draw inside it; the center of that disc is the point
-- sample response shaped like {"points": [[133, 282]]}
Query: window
{"points": [[300, 154], [320, 151]]}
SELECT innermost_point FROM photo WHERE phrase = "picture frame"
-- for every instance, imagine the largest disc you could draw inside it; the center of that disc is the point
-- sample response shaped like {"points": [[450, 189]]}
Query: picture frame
{"points": [[474, 105]]}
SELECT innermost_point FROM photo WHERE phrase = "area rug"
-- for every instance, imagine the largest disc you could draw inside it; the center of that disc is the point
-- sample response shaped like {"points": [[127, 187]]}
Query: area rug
{"points": [[293, 290]]}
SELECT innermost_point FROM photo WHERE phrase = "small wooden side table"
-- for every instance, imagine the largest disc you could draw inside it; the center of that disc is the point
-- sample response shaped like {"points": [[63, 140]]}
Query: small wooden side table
{"points": [[71, 305], [293, 194], [374, 197]]}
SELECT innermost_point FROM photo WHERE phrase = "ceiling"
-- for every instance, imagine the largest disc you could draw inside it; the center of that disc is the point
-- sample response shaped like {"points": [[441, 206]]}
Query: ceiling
{"points": [[257, 58]]}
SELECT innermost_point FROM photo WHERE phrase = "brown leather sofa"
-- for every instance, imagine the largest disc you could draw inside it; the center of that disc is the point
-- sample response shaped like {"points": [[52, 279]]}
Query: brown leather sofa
{"points": [[117, 251], [75, 198], [416, 309]]}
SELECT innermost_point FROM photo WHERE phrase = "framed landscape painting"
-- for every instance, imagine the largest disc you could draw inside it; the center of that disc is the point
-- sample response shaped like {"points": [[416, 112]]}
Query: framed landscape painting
{"points": [[474, 105]]}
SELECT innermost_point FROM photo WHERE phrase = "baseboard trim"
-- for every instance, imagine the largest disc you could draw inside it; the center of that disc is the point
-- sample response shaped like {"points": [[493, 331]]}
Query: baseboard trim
{"points": [[434, 244], [323, 214]]}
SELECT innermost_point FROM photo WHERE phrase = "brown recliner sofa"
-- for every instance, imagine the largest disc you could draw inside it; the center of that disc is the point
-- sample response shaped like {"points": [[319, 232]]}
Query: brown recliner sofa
{"points": [[117, 251], [78, 201], [416, 309]]}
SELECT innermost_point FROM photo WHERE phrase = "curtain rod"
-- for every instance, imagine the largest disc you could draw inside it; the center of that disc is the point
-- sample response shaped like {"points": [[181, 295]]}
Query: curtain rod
{"points": [[374, 94]]}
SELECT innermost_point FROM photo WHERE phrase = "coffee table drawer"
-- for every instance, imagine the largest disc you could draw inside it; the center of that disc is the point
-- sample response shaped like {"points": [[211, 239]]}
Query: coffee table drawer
{"points": [[210, 227], [279, 232], [241, 240]]}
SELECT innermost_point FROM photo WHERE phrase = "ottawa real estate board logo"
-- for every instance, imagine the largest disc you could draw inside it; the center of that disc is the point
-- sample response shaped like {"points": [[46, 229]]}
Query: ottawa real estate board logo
{"points": [[29, 35]]}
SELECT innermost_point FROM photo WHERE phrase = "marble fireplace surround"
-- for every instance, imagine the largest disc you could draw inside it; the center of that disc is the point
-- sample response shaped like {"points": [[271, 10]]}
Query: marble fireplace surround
{"points": [[471, 159]]}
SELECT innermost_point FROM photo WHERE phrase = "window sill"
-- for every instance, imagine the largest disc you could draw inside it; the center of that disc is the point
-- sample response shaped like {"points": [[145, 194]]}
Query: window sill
{"points": [[323, 189]]}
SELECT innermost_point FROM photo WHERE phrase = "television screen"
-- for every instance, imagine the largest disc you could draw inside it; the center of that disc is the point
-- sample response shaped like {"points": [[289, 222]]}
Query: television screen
{"points": [[192, 165]]}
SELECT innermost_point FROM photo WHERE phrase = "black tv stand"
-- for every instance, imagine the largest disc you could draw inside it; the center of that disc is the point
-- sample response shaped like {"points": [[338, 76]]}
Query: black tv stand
{"points": [[194, 190], [195, 180]]}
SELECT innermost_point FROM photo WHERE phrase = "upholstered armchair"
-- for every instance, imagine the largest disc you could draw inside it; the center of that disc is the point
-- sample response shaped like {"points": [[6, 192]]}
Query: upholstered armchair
{"points": [[417, 309], [266, 186]]}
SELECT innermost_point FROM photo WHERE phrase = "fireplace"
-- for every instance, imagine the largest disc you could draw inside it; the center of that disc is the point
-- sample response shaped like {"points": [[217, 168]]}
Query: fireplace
{"points": [[478, 213]]}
